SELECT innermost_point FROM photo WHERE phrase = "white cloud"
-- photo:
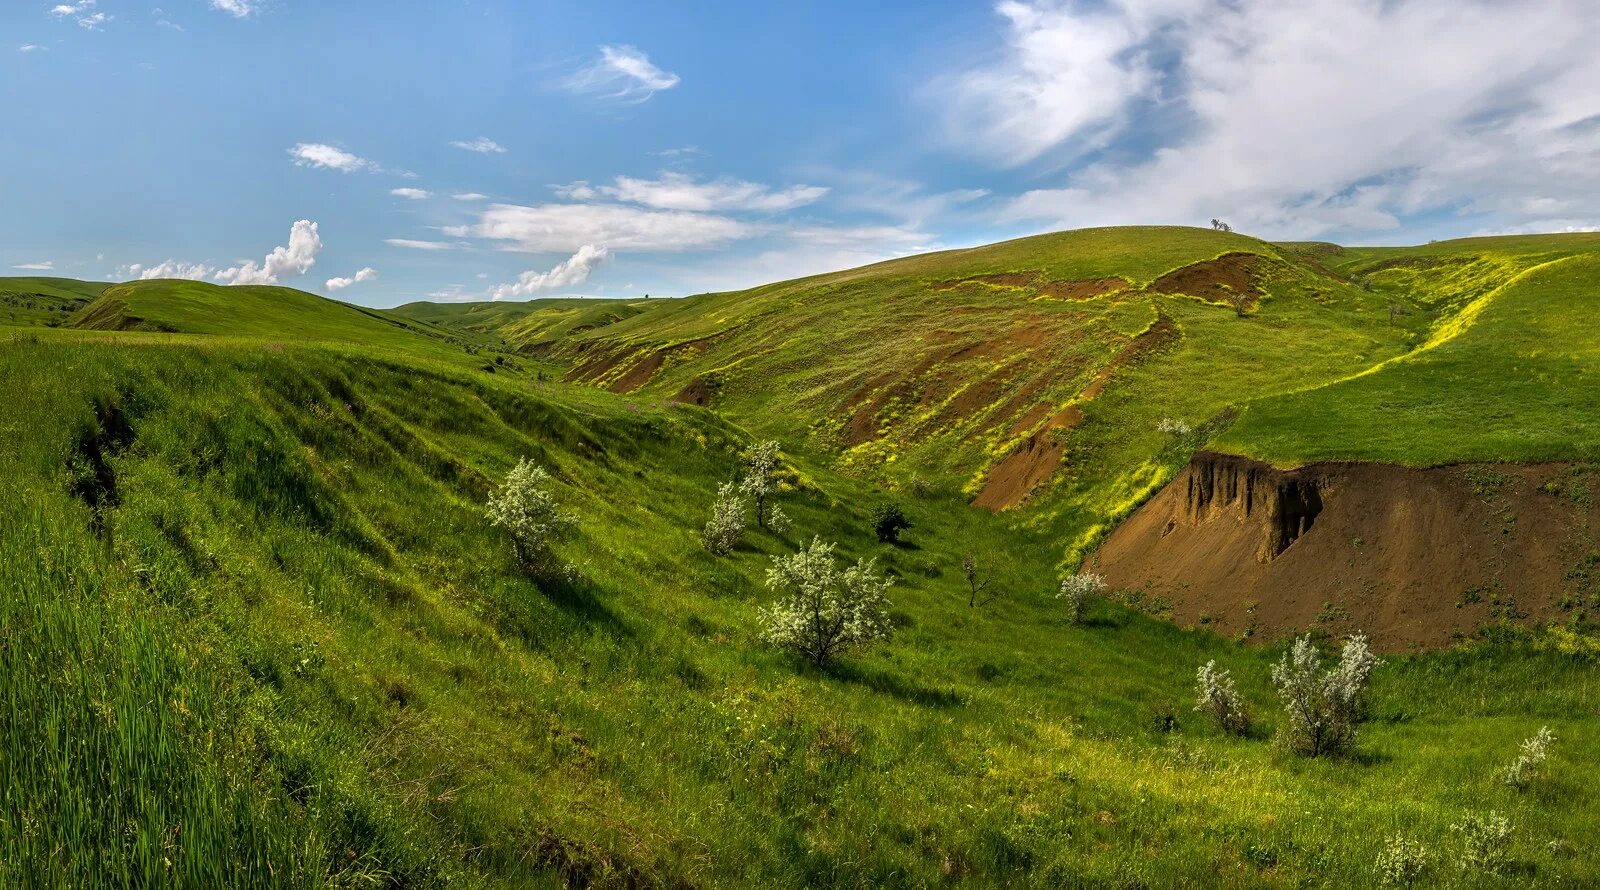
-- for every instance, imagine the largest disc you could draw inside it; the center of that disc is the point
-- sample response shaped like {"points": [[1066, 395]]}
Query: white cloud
{"points": [[366, 274], [421, 245], [470, 196], [236, 8], [328, 157], [677, 191], [572, 270], [82, 12], [551, 228], [168, 269], [482, 145], [1295, 120], [45, 266], [622, 73], [294, 259], [1067, 74], [412, 194], [29, 48]]}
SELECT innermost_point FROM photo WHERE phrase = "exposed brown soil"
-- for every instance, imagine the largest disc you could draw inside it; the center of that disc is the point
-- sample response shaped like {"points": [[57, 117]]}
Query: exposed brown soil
{"points": [[698, 392], [1212, 280], [1012, 480], [640, 373], [1087, 289], [1413, 558]]}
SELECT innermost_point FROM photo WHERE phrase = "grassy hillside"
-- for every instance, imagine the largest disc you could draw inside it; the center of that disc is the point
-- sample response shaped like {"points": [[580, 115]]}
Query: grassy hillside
{"points": [[532, 324], [1031, 372], [44, 301], [1511, 370], [259, 621]]}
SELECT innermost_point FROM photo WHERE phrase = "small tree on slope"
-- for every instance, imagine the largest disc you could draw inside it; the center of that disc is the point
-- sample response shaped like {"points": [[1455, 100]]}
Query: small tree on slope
{"points": [[1216, 697], [824, 611], [760, 479], [526, 508], [1324, 708], [726, 525]]}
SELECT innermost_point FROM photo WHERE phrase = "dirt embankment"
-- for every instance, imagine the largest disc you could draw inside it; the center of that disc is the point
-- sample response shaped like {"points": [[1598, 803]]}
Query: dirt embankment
{"points": [[1414, 558], [1012, 479]]}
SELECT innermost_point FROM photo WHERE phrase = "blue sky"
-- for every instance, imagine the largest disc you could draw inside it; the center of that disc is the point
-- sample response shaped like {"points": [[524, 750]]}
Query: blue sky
{"points": [[475, 149]]}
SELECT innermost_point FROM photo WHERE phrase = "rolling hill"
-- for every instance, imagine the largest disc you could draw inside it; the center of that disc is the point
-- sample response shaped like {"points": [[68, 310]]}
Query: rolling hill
{"points": [[259, 631]]}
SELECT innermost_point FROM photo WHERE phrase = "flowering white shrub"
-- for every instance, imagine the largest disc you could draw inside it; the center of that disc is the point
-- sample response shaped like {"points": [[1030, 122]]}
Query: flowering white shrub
{"points": [[760, 479], [1324, 708], [1485, 842], [726, 525], [526, 508], [1216, 697], [1402, 862], [1076, 589], [1174, 427], [824, 611], [778, 521], [1530, 762]]}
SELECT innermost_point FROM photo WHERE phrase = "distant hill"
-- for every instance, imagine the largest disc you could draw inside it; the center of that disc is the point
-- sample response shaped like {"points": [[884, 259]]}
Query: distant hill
{"points": [[44, 301]]}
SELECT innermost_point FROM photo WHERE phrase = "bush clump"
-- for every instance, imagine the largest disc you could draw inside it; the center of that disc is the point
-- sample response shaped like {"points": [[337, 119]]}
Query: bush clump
{"points": [[1324, 708], [1076, 590], [1402, 862], [726, 526], [1485, 843], [525, 507], [824, 611], [888, 521], [1216, 697], [1530, 760]]}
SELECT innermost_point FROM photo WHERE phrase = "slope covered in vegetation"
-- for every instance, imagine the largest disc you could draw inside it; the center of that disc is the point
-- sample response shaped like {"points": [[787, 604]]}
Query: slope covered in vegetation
{"points": [[259, 629]]}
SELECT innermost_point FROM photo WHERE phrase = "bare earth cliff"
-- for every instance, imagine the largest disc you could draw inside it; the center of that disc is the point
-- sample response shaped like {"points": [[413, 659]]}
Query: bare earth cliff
{"points": [[1413, 557]]}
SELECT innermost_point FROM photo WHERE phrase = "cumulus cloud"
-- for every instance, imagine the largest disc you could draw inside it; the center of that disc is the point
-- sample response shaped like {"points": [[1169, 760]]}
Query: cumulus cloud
{"points": [[366, 274], [45, 266], [329, 157], [294, 259], [236, 8], [412, 194], [168, 269], [413, 244], [1293, 120], [622, 73], [572, 270], [83, 12], [552, 228], [677, 191], [483, 145]]}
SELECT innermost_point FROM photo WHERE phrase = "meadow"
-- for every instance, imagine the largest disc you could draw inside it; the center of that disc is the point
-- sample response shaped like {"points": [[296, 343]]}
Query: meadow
{"points": [[259, 631]]}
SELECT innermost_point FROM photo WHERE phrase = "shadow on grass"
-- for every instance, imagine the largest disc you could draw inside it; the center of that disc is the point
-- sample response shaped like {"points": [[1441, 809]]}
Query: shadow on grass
{"points": [[905, 545], [579, 602], [890, 684]]}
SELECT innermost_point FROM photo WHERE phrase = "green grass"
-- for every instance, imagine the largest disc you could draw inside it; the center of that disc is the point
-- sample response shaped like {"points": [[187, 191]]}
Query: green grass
{"points": [[256, 628], [44, 301], [1515, 375]]}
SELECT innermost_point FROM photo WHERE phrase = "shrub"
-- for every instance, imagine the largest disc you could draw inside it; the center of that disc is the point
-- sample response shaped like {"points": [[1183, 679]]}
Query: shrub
{"points": [[1216, 697], [1485, 842], [975, 585], [1324, 708], [526, 508], [1530, 761], [726, 525], [824, 611], [778, 521], [888, 521], [1402, 862], [1174, 427], [760, 478], [1076, 590]]}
